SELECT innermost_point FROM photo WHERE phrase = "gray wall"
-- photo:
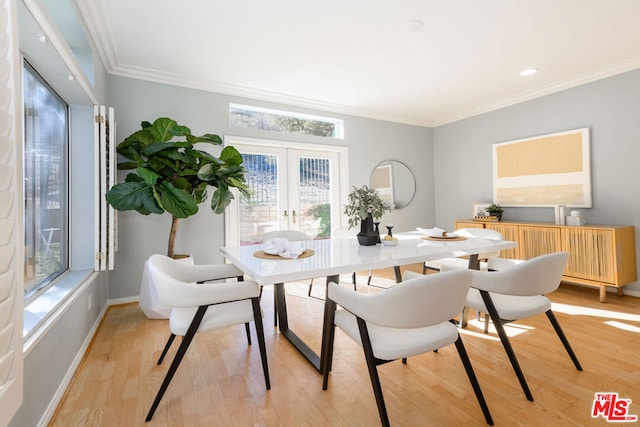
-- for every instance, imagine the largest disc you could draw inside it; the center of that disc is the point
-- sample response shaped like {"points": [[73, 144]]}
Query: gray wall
{"points": [[609, 107], [369, 142]]}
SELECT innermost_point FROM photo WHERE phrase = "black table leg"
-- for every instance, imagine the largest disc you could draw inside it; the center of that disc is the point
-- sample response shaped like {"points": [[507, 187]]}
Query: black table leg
{"points": [[283, 324]]}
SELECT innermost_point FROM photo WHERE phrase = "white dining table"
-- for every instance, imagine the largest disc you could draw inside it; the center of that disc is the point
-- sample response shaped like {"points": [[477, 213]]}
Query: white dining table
{"points": [[333, 257]]}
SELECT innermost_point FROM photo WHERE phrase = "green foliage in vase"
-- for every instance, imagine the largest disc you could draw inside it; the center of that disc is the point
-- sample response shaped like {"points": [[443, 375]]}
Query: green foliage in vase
{"points": [[494, 208], [361, 201]]}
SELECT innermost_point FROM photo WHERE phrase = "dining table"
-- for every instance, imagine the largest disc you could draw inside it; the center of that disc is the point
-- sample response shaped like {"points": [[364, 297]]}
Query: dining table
{"points": [[332, 257]]}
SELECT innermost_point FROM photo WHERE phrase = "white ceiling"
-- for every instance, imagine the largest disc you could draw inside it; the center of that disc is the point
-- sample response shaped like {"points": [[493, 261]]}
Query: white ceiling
{"points": [[355, 57]]}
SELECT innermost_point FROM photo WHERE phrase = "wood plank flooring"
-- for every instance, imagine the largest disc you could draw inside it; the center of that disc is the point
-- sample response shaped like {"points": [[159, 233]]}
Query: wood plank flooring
{"points": [[220, 381]]}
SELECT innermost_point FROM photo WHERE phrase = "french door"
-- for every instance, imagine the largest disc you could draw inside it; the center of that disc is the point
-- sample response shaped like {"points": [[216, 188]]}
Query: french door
{"points": [[293, 187]]}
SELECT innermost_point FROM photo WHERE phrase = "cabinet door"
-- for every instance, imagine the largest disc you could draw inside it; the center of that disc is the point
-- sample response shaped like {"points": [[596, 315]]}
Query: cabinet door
{"points": [[591, 253], [538, 240], [509, 232]]}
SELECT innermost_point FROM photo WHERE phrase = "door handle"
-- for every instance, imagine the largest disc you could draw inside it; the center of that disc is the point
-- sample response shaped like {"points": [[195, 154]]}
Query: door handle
{"points": [[285, 215], [294, 216]]}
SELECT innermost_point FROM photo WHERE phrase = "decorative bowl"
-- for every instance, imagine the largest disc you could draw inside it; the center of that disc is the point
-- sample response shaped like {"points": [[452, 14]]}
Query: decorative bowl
{"points": [[393, 242]]}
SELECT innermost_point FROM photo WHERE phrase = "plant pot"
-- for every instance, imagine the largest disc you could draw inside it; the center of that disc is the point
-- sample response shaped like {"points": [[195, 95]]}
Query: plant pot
{"points": [[367, 235]]}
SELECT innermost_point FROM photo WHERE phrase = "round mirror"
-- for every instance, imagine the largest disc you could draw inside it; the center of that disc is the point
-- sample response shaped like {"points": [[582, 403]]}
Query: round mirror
{"points": [[395, 183]]}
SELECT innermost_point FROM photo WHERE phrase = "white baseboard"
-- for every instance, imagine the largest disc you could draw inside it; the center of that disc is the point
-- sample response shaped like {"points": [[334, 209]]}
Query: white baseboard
{"points": [[119, 301], [66, 380]]}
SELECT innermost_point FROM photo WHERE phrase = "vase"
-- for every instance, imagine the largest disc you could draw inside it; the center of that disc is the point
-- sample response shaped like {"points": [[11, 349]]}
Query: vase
{"points": [[367, 235]]}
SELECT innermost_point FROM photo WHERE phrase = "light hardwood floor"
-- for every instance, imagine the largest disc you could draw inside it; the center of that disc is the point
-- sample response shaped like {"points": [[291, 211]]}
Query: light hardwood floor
{"points": [[220, 381]]}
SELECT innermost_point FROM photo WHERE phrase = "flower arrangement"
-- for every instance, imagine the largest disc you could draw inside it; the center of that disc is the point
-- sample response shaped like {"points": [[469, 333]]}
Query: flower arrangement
{"points": [[361, 202]]}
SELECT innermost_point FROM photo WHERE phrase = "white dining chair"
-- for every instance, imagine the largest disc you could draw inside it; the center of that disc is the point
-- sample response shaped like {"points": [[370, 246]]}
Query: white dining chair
{"points": [[199, 307], [403, 321], [452, 263], [517, 293]]}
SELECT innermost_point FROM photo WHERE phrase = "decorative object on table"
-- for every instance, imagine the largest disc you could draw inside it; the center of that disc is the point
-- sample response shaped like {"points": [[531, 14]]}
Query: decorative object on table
{"points": [[437, 233], [575, 219], [283, 248], [389, 240], [495, 210], [364, 206], [172, 176], [376, 225], [559, 214]]}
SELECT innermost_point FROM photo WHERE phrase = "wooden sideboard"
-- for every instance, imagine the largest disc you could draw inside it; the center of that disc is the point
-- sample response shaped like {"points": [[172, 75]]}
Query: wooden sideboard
{"points": [[599, 255]]}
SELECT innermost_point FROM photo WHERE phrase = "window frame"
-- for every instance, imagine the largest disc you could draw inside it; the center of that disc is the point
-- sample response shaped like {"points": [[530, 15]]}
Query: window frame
{"points": [[31, 294]]}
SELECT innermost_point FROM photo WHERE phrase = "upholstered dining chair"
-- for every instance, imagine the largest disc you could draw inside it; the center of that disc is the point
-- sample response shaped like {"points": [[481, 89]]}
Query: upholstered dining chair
{"points": [[519, 292], [452, 263], [199, 307], [402, 321]]}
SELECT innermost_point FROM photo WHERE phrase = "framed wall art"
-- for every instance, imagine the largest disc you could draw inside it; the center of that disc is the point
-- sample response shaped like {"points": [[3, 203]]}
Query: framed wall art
{"points": [[545, 170]]}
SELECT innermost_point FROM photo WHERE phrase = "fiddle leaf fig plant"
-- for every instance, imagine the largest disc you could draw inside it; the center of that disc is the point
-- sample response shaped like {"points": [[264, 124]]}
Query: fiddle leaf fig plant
{"points": [[171, 175]]}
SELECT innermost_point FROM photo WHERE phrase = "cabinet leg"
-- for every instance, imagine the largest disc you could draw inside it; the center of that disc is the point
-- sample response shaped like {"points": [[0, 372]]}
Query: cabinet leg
{"points": [[620, 292], [603, 293]]}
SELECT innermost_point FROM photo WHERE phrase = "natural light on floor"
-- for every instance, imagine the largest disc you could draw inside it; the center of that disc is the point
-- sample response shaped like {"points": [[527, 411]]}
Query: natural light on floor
{"points": [[596, 312]]}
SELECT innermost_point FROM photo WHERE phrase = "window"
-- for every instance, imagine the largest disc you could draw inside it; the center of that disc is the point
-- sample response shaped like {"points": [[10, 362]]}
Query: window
{"points": [[284, 121], [293, 186], [46, 183]]}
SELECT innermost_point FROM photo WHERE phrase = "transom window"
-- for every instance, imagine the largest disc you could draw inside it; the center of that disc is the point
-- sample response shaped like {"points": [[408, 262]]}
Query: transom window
{"points": [[284, 121]]}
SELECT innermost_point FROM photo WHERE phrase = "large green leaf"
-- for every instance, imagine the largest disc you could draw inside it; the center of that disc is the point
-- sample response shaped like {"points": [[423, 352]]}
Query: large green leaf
{"points": [[231, 156], [149, 176], [132, 196], [156, 147], [221, 198], [139, 138], [175, 201], [207, 172], [208, 138], [162, 129]]}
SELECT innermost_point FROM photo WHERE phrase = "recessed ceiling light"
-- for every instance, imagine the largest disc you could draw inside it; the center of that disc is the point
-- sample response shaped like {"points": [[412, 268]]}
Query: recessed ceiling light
{"points": [[528, 72], [70, 77], [413, 26], [42, 38]]}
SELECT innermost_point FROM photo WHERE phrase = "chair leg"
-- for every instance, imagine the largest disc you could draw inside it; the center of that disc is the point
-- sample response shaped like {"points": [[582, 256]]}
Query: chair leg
{"points": [[166, 348], [563, 338], [486, 323], [462, 352], [373, 372], [184, 345], [310, 286], [497, 323], [257, 320], [275, 307], [246, 327], [328, 339]]}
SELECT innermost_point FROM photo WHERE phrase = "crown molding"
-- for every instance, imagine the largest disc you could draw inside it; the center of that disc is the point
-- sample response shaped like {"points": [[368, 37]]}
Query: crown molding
{"points": [[253, 93], [600, 74]]}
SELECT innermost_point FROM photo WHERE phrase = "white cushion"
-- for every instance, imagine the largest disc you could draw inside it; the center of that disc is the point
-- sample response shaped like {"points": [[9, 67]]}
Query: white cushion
{"points": [[449, 264], [396, 343], [510, 307], [217, 316]]}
